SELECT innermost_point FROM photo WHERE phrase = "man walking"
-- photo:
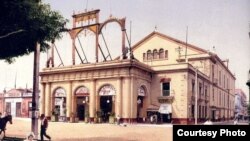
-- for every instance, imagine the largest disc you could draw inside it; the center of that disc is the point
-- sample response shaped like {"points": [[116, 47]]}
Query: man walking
{"points": [[44, 126]]}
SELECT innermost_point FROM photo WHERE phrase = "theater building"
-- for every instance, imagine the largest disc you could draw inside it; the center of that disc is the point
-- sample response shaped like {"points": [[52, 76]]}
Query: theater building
{"points": [[161, 78]]}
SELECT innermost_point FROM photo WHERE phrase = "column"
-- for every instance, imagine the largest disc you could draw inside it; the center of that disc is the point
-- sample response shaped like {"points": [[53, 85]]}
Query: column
{"points": [[132, 111], [118, 108], [69, 99], [48, 98], [42, 98], [73, 104], [92, 99], [126, 100]]}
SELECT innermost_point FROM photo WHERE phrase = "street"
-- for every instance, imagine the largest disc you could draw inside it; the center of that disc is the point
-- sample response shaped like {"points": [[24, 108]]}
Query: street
{"points": [[63, 131]]}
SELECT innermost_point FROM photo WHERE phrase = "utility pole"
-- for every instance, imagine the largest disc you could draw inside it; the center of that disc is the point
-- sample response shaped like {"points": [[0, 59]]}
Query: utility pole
{"points": [[35, 94]]}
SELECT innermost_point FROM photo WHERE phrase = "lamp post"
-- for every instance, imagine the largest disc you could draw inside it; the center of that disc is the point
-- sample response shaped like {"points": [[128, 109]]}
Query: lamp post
{"points": [[196, 95]]}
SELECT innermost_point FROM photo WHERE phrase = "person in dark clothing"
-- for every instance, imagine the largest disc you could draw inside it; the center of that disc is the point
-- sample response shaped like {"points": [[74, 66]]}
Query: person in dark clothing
{"points": [[44, 126]]}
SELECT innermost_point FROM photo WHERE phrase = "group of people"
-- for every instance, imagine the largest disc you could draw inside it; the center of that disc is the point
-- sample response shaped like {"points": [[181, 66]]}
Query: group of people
{"points": [[209, 122]]}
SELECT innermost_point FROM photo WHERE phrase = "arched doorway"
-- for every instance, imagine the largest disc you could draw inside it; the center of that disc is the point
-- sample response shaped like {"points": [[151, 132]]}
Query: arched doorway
{"points": [[107, 93], [60, 104], [140, 100], [82, 102]]}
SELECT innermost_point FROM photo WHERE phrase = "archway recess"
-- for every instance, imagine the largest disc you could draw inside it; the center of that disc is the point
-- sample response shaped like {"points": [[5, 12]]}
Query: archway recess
{"points": [[107, 100]]}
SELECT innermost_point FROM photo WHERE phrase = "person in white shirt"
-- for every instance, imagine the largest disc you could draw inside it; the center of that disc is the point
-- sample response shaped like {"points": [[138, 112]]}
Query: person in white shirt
{"points": [[208, 122]]}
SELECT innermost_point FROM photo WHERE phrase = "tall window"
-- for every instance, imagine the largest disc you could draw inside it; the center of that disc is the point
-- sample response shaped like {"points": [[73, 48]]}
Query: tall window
{"points": [[224, 79], [213, 73], [192, 112], [227, 83], [149, 55], [166, 53], [213, 94], [203, 111], [206, 112], [155, 54], [205, 90], [199, 111], [166, 89], [220, 98], [144, 56], [219, 77], [193, 89], [200, 89], [161, 53]]}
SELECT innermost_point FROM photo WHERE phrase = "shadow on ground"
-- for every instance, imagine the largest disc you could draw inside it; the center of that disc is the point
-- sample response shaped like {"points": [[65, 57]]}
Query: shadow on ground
{"points": [[100, 139], [70, 139]]}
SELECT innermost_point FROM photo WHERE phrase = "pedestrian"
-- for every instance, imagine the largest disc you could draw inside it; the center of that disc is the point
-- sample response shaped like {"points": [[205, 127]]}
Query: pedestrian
{"points": [[44, 126], [118, 120], [151, 119], [236, 121], [208, 122]]}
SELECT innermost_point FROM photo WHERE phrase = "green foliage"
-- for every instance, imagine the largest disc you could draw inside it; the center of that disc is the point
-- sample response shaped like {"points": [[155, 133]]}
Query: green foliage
{"points": [[23, 23], [99, 113]]}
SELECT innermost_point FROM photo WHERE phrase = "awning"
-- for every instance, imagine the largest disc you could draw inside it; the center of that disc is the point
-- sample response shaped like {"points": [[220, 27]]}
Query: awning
{"points": [[153, 108], [165, 109]]}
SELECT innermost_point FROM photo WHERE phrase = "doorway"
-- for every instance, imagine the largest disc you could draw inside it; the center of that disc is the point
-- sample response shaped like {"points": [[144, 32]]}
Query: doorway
{"points": [[81, 111], [82, 107], [106, 107], [213, 115]]}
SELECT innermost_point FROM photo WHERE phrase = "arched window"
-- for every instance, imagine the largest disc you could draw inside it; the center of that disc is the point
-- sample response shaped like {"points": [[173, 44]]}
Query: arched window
{"points": [[144, 56], [161, 53], [107, 90], [82, 91], [60, 98], [166, 53], [149, 55], [155, 54]]}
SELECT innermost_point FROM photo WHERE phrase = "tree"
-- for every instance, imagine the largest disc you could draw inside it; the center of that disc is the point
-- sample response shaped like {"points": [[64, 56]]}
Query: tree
{"points": [[23, 23], [27, 26]]}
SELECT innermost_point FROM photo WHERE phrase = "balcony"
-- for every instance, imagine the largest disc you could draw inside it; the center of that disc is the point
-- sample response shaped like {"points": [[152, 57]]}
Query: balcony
{"points": [[165, 99], [199, 99]]}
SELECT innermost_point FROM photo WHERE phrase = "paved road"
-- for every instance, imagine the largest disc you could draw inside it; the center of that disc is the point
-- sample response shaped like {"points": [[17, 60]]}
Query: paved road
{"points": [[63, 131]]}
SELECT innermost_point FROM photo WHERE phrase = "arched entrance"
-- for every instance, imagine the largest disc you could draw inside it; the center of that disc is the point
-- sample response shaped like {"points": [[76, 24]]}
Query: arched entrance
{"points": [[107, 98], [60, 104], [82, 102], [140, 101]]}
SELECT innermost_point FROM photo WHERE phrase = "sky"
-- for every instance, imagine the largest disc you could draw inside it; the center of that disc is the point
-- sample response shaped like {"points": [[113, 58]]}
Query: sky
{"points": [[224, 24]]}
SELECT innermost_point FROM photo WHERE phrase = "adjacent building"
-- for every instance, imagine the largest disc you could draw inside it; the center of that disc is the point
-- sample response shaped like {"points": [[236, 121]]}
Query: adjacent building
{"points": [[240, 104], [17, 102]]}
